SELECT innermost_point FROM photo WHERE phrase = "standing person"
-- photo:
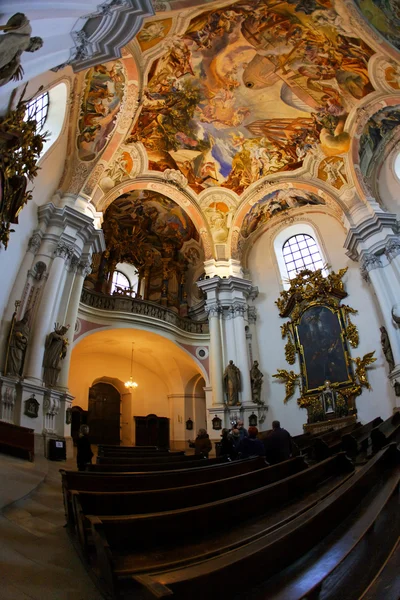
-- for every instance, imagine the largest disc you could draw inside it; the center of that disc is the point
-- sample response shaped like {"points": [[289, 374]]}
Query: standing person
{"points": [[84, 455], [242, 430], [227, 447], [202, 444], [278, 444], [250, 445], [235, 437]]}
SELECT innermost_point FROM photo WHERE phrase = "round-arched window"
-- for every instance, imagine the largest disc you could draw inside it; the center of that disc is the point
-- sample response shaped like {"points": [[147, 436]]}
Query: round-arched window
{"points": [[301, 251], [38, 109], [120, 281]]}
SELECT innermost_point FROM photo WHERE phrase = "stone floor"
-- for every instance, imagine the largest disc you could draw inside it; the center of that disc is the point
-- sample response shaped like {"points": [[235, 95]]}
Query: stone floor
{"points": [[37, 559]]}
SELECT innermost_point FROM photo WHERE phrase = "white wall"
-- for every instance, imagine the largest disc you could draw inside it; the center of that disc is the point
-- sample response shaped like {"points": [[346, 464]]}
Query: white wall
{"points": [[265, 274]]}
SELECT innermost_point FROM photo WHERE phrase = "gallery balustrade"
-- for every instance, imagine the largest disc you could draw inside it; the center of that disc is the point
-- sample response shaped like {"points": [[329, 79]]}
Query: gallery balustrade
{"points": [[117, 303]]}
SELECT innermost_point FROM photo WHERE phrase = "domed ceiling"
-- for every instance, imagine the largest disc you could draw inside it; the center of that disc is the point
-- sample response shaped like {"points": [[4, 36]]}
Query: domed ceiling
{"points": [[249, 90]]}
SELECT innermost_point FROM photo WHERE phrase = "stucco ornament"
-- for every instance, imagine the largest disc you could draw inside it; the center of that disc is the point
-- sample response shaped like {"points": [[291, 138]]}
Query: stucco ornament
{"points": [[16, 40]]}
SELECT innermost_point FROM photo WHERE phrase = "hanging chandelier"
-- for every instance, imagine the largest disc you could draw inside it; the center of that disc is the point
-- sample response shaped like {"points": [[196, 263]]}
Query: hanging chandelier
{"points": [[131, 385]]}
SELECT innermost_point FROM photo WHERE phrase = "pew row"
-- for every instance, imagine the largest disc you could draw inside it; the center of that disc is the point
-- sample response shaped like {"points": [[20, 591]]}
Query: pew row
{"points": [[168, 499], [358, 440], [127, 459], [155, 480], [155, 466], [128, 545], [17, 441], [386, 432], [364, 494], [328, 443]]}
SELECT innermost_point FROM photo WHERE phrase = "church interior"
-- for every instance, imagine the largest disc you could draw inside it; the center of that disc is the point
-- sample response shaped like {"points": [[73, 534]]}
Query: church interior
{"points": [[200, 233]]}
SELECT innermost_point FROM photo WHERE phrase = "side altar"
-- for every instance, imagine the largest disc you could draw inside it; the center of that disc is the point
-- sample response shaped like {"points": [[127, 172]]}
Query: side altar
{"points": [[319, 333]]}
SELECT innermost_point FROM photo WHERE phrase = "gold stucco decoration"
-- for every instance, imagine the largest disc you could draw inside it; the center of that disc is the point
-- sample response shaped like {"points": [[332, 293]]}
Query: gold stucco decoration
{"points": [[20, 148], [319, 332]]}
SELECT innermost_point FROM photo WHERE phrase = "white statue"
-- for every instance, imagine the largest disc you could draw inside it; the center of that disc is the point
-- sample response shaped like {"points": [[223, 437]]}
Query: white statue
{"points": [[16, 40]]}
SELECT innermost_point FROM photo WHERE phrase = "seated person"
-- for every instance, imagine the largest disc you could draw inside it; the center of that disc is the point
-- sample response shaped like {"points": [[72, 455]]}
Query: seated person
{"points": [[251, 446], [278, 444]]}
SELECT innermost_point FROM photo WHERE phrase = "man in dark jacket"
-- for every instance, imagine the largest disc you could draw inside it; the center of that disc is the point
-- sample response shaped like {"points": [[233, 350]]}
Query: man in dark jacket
{"points": [[84, 455], [251, 446], [278, 444]]}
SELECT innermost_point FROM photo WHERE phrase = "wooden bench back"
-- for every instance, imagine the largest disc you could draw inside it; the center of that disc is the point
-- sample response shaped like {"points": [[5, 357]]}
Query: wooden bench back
{"points": [[145, 530]]}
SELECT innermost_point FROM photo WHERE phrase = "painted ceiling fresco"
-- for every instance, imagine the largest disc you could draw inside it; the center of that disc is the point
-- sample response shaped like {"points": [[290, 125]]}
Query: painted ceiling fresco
{"points": [[143, 225], [272, 204], [250, 90], [377, 129], [101, 101], [384, 16]]}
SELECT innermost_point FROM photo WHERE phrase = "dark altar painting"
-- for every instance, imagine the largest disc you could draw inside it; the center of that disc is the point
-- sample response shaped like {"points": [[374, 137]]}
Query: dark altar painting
{"points": [[323, 350]]}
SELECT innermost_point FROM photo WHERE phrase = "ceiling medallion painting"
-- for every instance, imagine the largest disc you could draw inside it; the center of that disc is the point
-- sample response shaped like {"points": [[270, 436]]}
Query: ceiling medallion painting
{"points": [[384, 16], [101, 101], [273, 204], [247, 92]]}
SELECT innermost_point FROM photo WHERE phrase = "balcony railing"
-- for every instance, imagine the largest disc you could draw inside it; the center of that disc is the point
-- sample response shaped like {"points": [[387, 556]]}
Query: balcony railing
{"points": [[141, 307]]}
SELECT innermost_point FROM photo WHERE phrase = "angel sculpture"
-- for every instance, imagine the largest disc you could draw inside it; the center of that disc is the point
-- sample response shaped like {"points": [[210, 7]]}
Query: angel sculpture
{"points": [[16, 40], [290, 379], [361, 368]]}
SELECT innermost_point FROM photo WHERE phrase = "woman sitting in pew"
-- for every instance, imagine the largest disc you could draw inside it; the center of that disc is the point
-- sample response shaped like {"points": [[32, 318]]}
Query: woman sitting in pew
{"points": [[202, 444], [251, 446]]}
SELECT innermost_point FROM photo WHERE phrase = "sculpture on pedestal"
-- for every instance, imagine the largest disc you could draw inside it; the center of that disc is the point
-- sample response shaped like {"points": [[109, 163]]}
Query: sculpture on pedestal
{"points": [[55, 351], [328, 398], [232, 383], [18, 341], [387, 349], [256, 379], [16, 40]]}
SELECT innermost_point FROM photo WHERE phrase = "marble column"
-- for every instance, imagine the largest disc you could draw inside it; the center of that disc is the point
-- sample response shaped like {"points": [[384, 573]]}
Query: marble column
{"points": [[214, 315], [43, 325], [242, 355], [82, 271]]}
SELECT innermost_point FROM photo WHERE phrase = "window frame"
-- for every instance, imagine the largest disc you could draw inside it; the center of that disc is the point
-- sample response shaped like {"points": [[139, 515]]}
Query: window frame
{"points": [[33, 108], [300, 254]]}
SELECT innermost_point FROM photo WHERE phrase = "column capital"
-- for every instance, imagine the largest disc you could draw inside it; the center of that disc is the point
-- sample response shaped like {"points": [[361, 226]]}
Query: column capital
{"points": [[371, 234], [368, 263], [64, 250], [213, 310], [392, 248], [35, 242]]}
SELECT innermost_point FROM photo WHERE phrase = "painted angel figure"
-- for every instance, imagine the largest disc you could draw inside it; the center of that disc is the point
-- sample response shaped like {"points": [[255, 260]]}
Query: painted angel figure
{"points": [[16, 40]]}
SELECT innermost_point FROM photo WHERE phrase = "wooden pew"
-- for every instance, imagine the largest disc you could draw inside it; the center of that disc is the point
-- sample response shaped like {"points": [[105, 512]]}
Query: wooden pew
{"points": [[17, 441], [357, 440], [136, 481], [167, 499], [126, 538], [135, 451], [152, 466], [387, 583], [385, 433], [327, 444], [267, 554], [146, 460]]}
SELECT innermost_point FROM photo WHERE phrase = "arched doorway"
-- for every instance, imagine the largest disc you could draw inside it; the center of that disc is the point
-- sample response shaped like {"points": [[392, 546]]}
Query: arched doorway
{"points": [[104, 414]]}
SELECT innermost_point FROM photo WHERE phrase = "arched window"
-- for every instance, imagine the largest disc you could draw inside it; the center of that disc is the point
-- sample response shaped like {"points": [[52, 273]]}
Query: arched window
{"points": [[120, 281], [301, 251], [397, 165], [38, 109]]}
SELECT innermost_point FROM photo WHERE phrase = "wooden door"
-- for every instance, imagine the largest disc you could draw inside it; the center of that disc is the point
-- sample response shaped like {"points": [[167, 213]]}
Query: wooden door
{"points": [[104, 414]]}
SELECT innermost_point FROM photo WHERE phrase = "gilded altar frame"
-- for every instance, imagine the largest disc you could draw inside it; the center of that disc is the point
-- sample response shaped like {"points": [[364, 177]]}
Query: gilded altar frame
{"points": [[319, 332]]}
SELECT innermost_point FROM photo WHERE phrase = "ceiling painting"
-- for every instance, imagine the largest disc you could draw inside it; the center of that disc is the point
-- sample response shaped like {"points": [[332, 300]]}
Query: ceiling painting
{"points": [[332, 170], [152, 33], [392, 76], [384, 16], [376, 130], [248, 91], [272, 204], [101, 101], [143, 223]]}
